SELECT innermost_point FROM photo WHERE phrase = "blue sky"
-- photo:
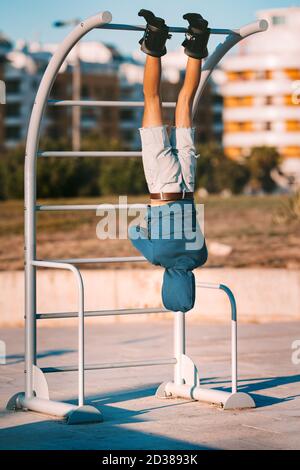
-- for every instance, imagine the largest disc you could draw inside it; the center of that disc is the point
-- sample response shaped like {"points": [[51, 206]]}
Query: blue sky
{"points": [[32, 19]]}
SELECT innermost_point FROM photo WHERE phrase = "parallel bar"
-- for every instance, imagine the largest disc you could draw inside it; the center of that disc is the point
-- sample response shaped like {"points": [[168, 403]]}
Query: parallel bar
{"points": [[101, 313], [179, 345], [112, 104], [111, 365], [234, 358], [83, 153], [116, 259], [89, 207], [208, 285], [172, 29], [80, 316]]}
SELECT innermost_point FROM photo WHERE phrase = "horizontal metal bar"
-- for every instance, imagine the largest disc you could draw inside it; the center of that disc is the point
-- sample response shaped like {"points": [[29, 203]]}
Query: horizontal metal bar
{"points": [[208, 285], [113, 259], [41, 405], [111, 365], [101, 313], [112, 104], [83, 153], [172, 29], [89, 207]]}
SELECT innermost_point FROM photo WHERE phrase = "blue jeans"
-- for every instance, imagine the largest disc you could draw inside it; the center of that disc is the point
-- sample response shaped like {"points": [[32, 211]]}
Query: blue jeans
{"points": [[173, 240]]}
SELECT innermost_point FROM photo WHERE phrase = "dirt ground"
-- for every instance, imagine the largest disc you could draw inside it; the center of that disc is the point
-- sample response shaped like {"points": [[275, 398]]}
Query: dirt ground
{"points": [[248, 224]]}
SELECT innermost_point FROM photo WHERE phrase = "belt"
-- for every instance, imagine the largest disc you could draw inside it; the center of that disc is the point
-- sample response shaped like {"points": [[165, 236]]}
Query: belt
{"points": [[171, 196]]}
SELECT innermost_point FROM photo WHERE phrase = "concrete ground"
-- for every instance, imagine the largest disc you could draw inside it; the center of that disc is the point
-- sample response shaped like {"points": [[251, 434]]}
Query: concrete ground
{"points": [[133, 417]]}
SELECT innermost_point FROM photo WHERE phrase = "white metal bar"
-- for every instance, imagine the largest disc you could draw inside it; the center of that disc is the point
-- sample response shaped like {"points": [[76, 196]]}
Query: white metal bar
{"points": [[102, 313], [231, 40], [116, 259], [228, 400], [33, 137], [179, 345], [76, 272], [41, 405], [85, 207], [234, 358], [112, 104], [91, 154], [172, 29], [111, 365], [208, 285], [208, 395], [234, 370]]}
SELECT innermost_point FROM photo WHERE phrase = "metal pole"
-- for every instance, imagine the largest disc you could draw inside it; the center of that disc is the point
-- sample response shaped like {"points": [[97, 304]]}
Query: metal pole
{"points": [[231, 40], [80, 314], [179, 345], [234, 356], [76, 110], [80, 341], [30, 186]]}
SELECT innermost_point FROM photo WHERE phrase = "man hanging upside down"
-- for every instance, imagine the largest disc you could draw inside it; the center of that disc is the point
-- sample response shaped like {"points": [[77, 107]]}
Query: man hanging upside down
{"points": [[172, 237]]}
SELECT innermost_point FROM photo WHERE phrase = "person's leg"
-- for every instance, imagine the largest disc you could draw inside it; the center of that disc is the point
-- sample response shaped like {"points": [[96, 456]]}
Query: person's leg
{"points": [[161, 168], [182, 135], [152, 107], [183, 112]]}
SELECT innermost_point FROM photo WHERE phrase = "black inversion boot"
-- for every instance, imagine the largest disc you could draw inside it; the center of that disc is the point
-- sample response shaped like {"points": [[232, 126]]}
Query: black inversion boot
{"points": [[197, 36], [156, 34]]}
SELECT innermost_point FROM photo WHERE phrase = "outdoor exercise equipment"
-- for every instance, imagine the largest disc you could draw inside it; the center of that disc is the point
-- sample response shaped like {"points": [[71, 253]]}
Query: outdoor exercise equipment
{"points": [[186, 380]]}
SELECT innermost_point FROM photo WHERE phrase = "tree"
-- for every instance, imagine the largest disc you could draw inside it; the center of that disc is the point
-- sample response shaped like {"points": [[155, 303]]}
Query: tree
{"points": [[261, 161], [216, 172]]}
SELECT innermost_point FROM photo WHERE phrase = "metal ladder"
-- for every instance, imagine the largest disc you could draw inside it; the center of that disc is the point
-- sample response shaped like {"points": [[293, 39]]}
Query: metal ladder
{"points": [[186, 379]]}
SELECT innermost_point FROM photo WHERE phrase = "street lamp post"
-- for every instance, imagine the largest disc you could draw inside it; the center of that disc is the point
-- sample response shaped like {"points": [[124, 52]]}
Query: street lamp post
{"points": [[76, 86]]}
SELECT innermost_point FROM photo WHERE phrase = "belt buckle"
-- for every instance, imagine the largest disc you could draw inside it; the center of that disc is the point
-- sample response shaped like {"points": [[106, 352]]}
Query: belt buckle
{"points": [[161, 195], [183, 194]]}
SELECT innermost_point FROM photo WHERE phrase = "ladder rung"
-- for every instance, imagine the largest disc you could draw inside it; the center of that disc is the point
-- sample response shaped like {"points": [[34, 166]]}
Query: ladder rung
{"points": [[116, 259], [88, 207], [101, 313], [113, 104], [83, 153], [110, 365], [172, 29]]}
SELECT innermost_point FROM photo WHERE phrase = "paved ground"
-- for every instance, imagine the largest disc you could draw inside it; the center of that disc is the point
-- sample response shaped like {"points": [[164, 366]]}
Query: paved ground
{"points": [[134, 418]]}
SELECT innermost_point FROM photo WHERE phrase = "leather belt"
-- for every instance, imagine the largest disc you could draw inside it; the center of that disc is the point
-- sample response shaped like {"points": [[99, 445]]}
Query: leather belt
{"points": [[171, 196]]}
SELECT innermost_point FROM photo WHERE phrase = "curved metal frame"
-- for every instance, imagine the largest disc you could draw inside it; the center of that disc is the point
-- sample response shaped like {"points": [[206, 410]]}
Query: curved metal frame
{"points": [[31, 400]]}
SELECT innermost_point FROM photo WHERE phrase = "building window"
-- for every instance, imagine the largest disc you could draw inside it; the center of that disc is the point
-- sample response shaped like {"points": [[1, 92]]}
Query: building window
{"points": [[277, 20], [13, 86], [85, 92], [13, 110], [13, 133], [127, 92], [293, 125], [292, 74], [128, 135], [268, 126], [218, 99], [269, 100], [127, 114], [217, 118]]}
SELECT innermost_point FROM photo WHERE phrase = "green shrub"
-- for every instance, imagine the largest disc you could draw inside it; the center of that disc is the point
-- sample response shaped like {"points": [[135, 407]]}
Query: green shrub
{"points": [[216, 172], [261, 162]]}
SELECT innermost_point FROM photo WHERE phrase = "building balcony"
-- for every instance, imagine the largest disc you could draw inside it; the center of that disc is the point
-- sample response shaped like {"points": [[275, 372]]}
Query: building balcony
{"points": [[261, 62], [262, 113], [256, 139], [257, 88]]}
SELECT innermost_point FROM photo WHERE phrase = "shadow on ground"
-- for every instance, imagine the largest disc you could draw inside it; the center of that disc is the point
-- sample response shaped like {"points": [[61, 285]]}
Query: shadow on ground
{"points": [[12, 359], [258, 384], [114, 433]]}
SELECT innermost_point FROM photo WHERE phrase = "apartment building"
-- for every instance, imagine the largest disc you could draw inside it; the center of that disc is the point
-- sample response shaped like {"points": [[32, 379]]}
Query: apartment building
{"points": [[105, 75], [260, 83]]}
